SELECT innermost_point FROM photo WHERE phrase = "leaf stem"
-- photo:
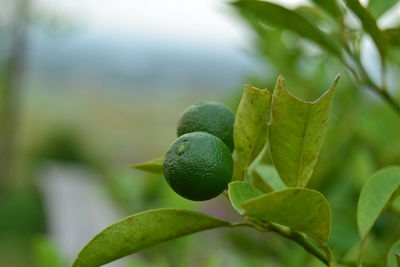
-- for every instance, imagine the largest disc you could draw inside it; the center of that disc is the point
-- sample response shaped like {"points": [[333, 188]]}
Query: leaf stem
{"points": [[300, 239], [329, 253], [252, 225], [360, 254]]}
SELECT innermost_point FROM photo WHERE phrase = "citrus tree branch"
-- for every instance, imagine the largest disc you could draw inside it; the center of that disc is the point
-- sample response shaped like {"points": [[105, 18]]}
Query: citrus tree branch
{"points": [[324, 255], [364, 78]]}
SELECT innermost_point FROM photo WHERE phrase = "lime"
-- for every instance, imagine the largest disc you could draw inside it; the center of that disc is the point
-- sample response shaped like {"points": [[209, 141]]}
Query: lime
{"points": [[198, 166], [210, 117]]}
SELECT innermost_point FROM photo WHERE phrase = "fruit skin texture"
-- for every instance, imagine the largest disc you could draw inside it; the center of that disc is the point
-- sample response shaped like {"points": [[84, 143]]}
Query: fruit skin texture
{"points": [[210, 117], [198, 166]]}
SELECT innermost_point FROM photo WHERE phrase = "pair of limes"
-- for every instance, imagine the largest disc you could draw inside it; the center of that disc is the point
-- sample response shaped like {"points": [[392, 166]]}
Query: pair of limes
{"points": [[198, 165]]}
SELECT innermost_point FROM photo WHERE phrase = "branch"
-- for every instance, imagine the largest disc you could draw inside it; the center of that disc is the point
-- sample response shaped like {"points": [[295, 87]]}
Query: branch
{"points": [[324, 256], [364, 78]]}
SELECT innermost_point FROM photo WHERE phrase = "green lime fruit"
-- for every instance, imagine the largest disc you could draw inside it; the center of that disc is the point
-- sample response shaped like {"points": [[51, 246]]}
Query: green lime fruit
{"points": [[198, 166], [210, 117]]}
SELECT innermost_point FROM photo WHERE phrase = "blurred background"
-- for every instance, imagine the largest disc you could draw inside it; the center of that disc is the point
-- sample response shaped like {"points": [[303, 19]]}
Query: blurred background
{"points": [[90, 87]]}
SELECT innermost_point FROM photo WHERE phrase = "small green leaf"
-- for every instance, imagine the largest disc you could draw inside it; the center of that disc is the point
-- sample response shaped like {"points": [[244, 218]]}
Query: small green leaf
{"points": [[142, 230], [369, 25], [330, 6], [296, 133], [392, 259], [154, 165], [301, 209], [276, 15], [251, 124], [240, 192], [266, 178], [379, 7], [374, 197]]}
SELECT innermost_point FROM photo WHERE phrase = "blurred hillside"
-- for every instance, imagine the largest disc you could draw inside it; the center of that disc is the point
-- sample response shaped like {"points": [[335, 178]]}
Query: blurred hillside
{"points": [[137, 86], [135, 63]]}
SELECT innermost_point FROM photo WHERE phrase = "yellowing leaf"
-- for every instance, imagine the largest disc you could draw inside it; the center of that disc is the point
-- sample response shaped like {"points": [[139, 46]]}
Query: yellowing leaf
{"points": [[296, 133], [251, 125], [301, 209], [142, 230]]}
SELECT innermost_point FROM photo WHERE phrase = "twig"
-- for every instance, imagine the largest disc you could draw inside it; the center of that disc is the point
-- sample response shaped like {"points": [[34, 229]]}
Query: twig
{"points": [[299, 239], [360, 254], [363, 77]]}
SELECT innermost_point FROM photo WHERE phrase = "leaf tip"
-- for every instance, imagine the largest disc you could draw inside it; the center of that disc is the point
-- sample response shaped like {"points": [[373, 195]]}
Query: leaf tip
{"points": [[138, 166], [280, 79], [135, 166], [280, 83], [248, 86], [336, 81], [256, 89]]}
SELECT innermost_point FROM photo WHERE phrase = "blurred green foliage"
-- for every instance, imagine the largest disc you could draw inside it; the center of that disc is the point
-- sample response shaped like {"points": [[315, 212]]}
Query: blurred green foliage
{"points": [[363, 130], [46, 253]]}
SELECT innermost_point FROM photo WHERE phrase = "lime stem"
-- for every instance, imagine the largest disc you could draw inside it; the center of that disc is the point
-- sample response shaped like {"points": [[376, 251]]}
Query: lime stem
{"points": [[300, 239]]}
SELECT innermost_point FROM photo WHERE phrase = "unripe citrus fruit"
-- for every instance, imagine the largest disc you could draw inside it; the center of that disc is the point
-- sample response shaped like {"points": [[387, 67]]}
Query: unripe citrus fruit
{"points": [[210, 117], [198, 166]]}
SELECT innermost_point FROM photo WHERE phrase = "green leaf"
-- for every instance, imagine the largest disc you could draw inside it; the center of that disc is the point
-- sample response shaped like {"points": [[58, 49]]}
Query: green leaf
{"points": [[398, 259], [154, 165], [301, 209], [369, 25], [330, 6], [240, 192], [251, 125], [296, 133], [266, 178], [392, 259], [379, 7], [374, 197], [278, 16], [142, 230]]}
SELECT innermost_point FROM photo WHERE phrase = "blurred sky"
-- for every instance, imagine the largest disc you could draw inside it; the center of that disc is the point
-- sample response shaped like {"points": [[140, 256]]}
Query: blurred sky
{"points": [[187, 42], [186, 45], [186, 20]]}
